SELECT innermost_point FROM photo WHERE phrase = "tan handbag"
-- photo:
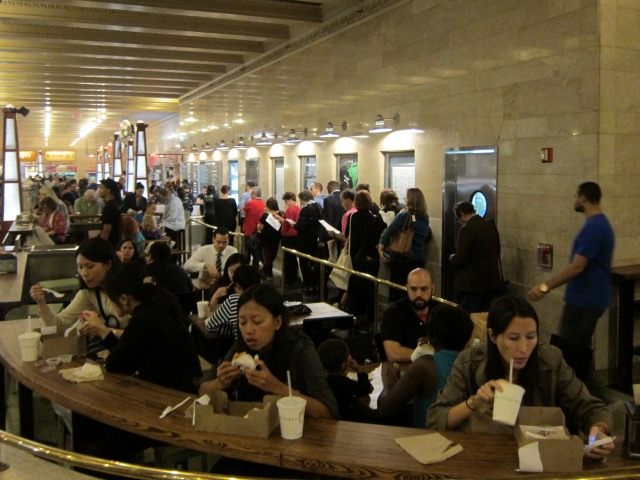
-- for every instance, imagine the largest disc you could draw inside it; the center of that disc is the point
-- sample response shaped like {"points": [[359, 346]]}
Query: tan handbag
{"points": [[402, 241]]}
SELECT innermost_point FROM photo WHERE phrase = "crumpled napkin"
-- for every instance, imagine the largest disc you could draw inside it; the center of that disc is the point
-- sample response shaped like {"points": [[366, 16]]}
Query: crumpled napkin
{"points": [[430, 448], [86, 373]]}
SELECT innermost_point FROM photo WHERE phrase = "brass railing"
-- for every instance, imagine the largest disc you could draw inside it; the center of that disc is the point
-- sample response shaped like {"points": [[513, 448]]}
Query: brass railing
{"points": [[100, 464], [376, 281]]}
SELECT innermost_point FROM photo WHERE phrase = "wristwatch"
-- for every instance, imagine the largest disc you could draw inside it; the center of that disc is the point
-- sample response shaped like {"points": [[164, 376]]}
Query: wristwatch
{"points": [[544, 288]]}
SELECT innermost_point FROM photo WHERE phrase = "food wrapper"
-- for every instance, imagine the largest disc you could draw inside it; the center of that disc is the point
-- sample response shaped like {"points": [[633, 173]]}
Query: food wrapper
{"points": [[430, 448], [87, 373]]}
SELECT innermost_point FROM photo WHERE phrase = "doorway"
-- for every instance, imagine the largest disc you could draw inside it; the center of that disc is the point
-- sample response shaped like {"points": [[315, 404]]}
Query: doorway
{"points": [[470, 174]]}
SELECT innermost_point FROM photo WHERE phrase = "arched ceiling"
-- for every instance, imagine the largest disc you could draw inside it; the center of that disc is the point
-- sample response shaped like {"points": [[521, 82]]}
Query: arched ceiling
{"points": [[133, 58]]}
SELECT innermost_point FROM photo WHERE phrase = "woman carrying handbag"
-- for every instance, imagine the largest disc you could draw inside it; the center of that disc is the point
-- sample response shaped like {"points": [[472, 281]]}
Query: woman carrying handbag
{"points": [[416, 218]]}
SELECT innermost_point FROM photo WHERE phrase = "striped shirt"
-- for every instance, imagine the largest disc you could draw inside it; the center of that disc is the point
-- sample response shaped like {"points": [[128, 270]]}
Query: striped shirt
{"points": [[225, 319]]}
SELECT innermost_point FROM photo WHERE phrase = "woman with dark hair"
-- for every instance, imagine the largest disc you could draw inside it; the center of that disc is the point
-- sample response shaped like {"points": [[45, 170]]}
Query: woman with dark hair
{"points": [[289, 234], [269, 236], [448, 331], [134, 202], [363, 234], [417, 217], [308, 228], [466, 401], [220, 287], [389, 205], [52, 221], [226, 211], [127, 252], [94, 258], [224, 317], [264, 331], [156, 345]]}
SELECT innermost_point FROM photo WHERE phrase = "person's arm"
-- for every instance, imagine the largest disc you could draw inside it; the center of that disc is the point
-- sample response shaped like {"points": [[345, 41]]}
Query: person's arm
{"points": [[262, 378], [460, 412], [396, 352], [575, 268], [106, 231], [222, 320], [396, 225], [220, 378], [420, 378], [195, 262]]}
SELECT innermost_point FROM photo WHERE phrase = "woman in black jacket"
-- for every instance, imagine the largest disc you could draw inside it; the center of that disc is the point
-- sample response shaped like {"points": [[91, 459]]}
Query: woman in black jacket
{"points": [[308, 228]]}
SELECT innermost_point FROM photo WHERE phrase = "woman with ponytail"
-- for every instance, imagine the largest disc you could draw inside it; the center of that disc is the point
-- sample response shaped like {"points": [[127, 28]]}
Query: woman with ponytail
{"points": [[156, 345]]}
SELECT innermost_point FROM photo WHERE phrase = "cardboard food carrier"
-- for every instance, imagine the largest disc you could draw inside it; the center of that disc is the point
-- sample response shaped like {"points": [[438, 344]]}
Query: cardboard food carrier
{"points": [[544, 443], [222, 415], [56, 344]]}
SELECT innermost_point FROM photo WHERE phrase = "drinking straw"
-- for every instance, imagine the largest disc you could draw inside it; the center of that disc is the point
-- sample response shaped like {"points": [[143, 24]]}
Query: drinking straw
{"points": [[28, 323], [511, 371], [289, 382]]}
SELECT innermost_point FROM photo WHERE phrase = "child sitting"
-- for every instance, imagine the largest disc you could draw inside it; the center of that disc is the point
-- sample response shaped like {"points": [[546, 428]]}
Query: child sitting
{"points": [[352, 396]]}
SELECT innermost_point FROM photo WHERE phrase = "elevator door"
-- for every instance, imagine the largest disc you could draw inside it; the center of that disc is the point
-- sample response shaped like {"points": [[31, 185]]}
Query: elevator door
{"points": [[470, 174]]}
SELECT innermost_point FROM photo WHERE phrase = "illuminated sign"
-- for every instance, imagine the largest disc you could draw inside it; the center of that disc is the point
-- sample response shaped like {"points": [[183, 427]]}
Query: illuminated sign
{"points": [[60, 157], [28, 156], [479, 202]]}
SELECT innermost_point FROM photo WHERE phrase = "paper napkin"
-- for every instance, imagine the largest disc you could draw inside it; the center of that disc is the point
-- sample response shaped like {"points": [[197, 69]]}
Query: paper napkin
{"points": [[430, 448]]}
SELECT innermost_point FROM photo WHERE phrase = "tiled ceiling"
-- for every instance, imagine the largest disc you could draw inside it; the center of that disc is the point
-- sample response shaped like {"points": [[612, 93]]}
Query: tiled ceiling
{"points": [[134, 58]]}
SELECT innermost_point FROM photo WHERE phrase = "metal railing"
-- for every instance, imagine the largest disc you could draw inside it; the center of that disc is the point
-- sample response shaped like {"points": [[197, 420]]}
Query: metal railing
{"points": [[95, 464], [376, 281]]}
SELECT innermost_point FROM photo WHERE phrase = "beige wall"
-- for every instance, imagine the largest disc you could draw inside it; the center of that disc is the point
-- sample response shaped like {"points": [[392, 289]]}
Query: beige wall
{"points": [[519, 74]]}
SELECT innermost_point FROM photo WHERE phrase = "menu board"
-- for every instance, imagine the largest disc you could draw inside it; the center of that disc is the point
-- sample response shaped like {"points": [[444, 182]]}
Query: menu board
{"points": [[190, 171], [212, 174]]}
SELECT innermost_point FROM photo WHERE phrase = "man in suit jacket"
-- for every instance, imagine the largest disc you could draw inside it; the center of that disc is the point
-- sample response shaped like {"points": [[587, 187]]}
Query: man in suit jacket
{"points": [[333, 210], [477, 260]]}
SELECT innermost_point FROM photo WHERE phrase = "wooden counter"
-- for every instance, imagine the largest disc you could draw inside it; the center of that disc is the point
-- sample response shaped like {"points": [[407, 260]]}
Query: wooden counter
{"points": [[339, 449]]}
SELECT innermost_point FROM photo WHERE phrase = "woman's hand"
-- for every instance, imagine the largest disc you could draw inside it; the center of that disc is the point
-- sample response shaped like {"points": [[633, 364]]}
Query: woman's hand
{"points": [[485, 394], [92, 324], [217, 295], [263, 379], [601, 452], [226, 374], [37, 294], [383, 258]]}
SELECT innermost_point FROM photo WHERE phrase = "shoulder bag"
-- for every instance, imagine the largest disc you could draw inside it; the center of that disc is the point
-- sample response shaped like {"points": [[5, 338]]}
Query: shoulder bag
{"points": [[402, 241], [341, 277]]}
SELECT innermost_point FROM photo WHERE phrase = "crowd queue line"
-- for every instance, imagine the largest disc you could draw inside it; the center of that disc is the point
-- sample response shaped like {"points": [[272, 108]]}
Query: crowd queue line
{"points": [[121, 307]]}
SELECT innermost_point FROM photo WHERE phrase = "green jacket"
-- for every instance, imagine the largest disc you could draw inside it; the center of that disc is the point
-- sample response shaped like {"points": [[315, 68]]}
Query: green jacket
{"points": [[556, 386]]}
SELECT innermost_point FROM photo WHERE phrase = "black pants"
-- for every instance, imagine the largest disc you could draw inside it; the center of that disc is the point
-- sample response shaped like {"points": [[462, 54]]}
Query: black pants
{"points": [[289, 261]]}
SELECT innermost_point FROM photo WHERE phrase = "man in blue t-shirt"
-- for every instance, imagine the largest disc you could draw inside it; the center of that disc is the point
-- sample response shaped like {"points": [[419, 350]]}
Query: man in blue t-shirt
{"points": [[588, 279]]}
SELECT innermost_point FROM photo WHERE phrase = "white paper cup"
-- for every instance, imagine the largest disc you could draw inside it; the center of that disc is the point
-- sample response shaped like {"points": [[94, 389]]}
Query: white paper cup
{"points": [[291, 412], [203, 309], [506, 404], [29, 346]]}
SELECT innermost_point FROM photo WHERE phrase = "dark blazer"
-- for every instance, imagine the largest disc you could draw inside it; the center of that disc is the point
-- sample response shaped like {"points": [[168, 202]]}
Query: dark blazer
{"points": [[477, 257], [333, 210]]}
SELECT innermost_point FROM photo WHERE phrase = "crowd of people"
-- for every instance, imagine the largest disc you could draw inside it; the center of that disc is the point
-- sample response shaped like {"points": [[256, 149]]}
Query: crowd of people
{"points": [[129, 306]]}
